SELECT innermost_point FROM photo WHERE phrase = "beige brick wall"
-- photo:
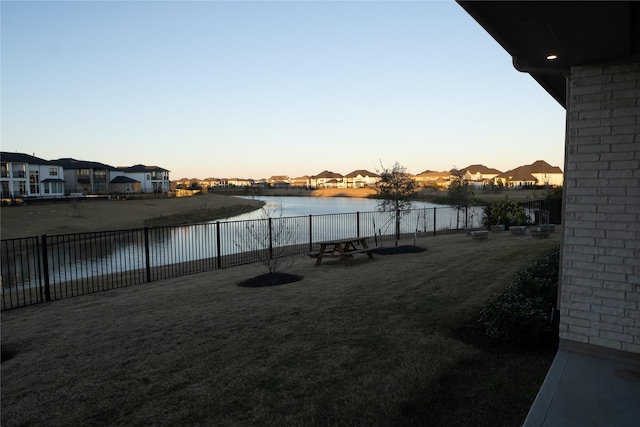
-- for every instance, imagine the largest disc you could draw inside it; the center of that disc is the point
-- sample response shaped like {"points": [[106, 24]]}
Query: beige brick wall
{"points": [[600, 298]]}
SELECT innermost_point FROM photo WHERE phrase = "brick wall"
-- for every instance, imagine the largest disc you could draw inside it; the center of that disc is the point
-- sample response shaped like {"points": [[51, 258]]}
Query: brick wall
{"points": [[600, 297]]}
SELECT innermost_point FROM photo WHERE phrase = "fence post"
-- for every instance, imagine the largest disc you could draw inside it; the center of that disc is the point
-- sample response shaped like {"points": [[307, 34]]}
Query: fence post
{"points": [[146, 253], [358, 224], [466, 216], [434, 221], [218, 245], [310, 233], [270, 239], [45, 267]]}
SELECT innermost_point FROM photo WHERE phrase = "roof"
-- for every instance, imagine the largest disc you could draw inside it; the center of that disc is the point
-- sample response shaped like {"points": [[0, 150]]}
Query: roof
{"points": [[540, 166], [361, 172], [140, 168], [123, 180], [579, 33], [327, 174], [518, 174], [525, 173], [434, 174], [481, 169], [69, 163], [23, 158]]}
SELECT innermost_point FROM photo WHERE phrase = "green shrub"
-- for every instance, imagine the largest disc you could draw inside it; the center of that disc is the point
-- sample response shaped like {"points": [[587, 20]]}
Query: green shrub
{"points": [[522, 314], [504, 212]]}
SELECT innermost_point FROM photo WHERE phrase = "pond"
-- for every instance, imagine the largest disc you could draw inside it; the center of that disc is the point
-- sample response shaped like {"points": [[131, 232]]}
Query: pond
{"points": [[303, 206]]}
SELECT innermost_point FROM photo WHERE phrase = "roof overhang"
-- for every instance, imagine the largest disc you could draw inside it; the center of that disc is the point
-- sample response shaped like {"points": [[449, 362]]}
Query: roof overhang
{"points": [[576, 32]]}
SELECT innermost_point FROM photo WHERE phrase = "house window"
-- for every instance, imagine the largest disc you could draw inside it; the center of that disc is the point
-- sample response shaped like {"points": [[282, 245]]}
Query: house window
{"points": [[53, 171], [148, 177], [100, 176], [34, 182], [4, 170]]}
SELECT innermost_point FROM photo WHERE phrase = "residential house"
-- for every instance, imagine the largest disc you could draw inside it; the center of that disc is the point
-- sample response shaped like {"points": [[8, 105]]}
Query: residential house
{"points": [[433, 179], [153, 179], [23, 175], [124, 184], [85, 177], [537, 173], [595, 76], [361, 178], [479, 175], [302, 181], [327, 179], [240, 182], [279, 181], [547, 174]]}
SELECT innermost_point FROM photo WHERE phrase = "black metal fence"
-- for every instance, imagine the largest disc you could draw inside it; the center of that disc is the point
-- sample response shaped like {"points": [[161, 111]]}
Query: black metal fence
{"points": [[47, 268], [546, 211]]}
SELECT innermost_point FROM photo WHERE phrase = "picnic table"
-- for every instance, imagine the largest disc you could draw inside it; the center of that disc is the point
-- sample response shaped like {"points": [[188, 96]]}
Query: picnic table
{"points": [[342, 248]]}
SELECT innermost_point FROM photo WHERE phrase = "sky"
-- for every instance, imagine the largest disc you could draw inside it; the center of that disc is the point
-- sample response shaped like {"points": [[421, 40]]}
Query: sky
{"points": [[251, 89]]}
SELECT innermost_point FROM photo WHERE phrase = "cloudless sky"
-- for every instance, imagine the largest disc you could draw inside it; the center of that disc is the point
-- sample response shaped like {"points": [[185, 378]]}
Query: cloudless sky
{"points": [[252, 89]]}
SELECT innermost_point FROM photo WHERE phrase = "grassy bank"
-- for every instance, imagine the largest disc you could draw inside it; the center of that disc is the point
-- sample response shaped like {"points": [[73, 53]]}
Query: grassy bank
{"points": [[101, 215], [378, 343]]}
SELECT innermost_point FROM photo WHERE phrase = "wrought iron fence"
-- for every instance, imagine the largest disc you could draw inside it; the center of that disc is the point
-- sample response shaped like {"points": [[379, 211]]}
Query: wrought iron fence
{"points": [[47, 268]]}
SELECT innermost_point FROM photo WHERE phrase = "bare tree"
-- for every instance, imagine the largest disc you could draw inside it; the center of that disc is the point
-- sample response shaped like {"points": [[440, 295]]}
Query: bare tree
{"points": [[397, 190], [270, 236]]}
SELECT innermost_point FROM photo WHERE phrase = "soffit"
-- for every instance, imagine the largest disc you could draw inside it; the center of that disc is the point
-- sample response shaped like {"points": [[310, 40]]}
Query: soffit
{"points": [[578, 33]]}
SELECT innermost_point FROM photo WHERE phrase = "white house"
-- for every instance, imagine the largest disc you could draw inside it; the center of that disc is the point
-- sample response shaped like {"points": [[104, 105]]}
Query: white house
{"points": [[327, 179], [153, 179], [23, 175], [361, 178]]}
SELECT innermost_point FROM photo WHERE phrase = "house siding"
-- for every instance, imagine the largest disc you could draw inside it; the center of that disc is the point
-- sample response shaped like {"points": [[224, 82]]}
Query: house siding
{"points": [[600, 294]]}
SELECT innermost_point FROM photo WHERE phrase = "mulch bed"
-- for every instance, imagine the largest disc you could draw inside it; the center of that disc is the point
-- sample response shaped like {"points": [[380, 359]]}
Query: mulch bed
{"points": [[270, 279], [404, 249]]}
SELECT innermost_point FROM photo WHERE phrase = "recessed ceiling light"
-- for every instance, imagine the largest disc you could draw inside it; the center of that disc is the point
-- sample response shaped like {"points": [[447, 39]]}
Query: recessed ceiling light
{"points": [[552, 57]]}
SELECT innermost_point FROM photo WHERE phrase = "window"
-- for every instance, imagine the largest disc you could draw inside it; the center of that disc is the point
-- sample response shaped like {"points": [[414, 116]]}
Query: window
{"points": [[34, 182], [4, 170], [100, 176], [53, 171]]}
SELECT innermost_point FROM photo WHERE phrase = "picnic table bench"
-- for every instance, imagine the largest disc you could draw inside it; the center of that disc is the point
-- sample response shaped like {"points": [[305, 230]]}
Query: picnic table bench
{"points": [[343, 249]]}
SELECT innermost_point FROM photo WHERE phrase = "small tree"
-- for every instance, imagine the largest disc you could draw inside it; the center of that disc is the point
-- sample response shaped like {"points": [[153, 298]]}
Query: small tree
{"points": [[460, 192], [269, 235], [397, 189]]}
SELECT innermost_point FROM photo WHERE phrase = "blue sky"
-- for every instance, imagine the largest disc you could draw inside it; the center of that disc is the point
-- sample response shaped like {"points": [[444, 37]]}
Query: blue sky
{"points": [[254, 89]]}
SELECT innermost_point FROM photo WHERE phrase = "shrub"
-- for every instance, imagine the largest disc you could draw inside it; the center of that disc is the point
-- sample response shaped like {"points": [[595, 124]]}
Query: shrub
{"points": [[504, 211], [522, 314]]}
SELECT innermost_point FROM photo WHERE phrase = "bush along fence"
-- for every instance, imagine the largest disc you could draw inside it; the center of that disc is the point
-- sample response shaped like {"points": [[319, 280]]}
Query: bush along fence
{"points": [[47, 268]]}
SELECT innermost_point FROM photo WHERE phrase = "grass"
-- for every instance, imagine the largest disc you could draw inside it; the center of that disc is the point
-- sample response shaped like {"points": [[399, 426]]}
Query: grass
{"points": [[377, 343], [102, 215]]}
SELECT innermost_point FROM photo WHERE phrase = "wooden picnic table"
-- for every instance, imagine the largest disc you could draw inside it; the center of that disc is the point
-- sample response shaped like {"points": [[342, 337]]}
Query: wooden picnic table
{"points": [[343, 249]]}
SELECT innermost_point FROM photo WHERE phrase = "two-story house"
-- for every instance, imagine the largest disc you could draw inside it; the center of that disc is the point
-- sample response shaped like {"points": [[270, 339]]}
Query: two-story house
{"points": [[327, 179], [85, 177], [23, 175], [479, 175], [433, 179], [537, 173], [361, 178], [152, 179]]}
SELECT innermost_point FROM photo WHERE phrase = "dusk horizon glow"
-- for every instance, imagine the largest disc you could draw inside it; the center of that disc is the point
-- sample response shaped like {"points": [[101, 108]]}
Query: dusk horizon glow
{"points": [[256, 89]]}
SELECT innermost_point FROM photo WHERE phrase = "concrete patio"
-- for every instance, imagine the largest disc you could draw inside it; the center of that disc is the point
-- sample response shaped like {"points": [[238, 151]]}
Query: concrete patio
{"points": [[584, 390]]}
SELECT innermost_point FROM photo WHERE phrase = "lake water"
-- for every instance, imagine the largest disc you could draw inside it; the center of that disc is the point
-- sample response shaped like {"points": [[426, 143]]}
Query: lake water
{"points": [[303, 206]]}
